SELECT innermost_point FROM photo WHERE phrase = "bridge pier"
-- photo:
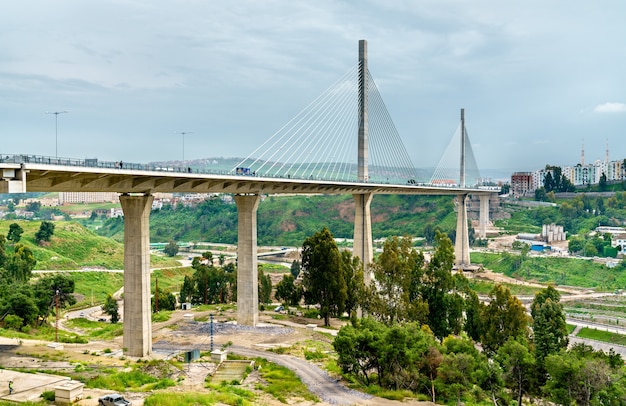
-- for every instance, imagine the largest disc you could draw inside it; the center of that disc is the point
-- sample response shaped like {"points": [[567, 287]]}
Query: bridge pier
{"points": [[247, 272], [363, 247], [137, 340], [461, 244], [483, 216]]}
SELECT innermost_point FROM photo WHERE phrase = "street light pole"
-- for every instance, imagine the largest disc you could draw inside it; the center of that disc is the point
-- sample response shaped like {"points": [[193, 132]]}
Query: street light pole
{"points": [[56, 129], [183, 134]]}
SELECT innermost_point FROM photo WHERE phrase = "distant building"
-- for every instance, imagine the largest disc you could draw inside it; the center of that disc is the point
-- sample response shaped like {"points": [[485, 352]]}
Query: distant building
{"points": [[88, 197], [521, 184], [619, 241]]}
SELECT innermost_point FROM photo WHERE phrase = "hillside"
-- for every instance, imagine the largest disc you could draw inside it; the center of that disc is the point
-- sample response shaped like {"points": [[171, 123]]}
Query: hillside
{"points": [[288, 220], [74, 247]]}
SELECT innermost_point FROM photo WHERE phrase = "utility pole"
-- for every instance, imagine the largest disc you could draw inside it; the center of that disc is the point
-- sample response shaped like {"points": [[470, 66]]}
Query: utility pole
{"points": [[156, 295], [56, 130], [183, 134], [57, 321]]}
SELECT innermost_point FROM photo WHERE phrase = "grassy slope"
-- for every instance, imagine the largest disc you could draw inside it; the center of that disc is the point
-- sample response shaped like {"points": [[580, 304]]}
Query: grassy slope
{"points": [[290, 220], [560, 271], [73, 247]]}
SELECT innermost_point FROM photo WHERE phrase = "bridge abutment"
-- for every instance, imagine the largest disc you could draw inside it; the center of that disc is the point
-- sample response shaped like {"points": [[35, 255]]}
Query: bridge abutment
{"points": [[247, 272], [461, 244], [363, 247], [137, 340]]}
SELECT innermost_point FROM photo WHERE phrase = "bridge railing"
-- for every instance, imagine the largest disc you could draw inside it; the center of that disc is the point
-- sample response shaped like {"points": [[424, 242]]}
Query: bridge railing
{"points": [[119, 165]]}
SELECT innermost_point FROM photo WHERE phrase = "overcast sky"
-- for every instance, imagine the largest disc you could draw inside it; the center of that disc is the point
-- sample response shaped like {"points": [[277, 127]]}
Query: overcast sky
{"points": [[536, 78]]}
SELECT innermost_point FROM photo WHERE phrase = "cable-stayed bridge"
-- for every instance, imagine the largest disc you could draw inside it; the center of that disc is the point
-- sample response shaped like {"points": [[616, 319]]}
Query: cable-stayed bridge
{"points": [[315, 152]]}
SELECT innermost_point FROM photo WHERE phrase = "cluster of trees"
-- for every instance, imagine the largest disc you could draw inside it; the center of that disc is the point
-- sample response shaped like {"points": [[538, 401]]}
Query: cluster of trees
{"points": [[424, 325], [210, 284], [45, 232], [25, 304]]}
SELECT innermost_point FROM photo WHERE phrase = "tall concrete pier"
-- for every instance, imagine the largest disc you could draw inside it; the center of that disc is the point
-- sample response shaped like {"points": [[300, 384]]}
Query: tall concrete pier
{"points": [[483, 216], [247, 272], [461, 244], [363, 247], [137, 340]]}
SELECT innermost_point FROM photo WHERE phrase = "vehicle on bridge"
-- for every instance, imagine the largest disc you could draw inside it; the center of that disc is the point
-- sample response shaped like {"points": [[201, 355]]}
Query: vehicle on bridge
{"points": [[243, 171]]}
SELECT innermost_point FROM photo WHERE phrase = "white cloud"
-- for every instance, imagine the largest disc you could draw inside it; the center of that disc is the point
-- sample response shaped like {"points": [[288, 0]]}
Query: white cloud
{"points": [[610, 107]]}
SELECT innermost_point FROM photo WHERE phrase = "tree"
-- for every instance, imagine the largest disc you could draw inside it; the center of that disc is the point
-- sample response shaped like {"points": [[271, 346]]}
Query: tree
{"points": [[437, 287], [15, 233], [602, 184], [287, 291], [186, 291], [549, 324], [395, 296], [111, 308], [33, 206], [295, 269], [171, 248], [50, 289], [265, 287], [46, 231], [323, 279], [353, 275], [3, 254], [518, 364], [503, 318], [167, 301], [20, 265]]}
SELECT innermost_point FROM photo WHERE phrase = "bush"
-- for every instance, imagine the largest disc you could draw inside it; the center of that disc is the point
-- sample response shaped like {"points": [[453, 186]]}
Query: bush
{"points": [[48, 395], [13, 322]]}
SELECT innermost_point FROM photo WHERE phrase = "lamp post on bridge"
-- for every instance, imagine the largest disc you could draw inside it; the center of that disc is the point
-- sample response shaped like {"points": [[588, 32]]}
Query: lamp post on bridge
{"points": [[56, 130], [183, 134]]}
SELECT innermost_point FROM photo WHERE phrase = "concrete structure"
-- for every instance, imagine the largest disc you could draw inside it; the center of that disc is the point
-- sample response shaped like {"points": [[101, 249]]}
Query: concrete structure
{"points": [[363, 245], [247, 272], [483, 218], [522, 184], [68, 392], [137, 311], [551, 233], [87, 197], [461, 244]]}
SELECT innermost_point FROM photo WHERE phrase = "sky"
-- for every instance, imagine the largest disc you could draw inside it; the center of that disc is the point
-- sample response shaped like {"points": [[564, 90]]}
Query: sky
{"points": [[537, 79]]}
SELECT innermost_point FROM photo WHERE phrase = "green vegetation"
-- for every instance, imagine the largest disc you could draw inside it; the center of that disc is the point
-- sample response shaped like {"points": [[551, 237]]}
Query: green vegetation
{"points": [[281, 382], [73, 247], [290, 220], [558, 271], [93, 287], [222, 395], [142, 377], [606, 336]]}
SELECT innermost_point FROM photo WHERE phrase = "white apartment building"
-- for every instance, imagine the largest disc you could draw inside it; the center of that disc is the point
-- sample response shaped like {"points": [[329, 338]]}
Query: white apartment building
{"points": [[88, 197]]}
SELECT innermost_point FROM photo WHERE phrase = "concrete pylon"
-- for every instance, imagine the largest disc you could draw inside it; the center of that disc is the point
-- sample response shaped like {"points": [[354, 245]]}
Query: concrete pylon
{"points": [[363, 135], [483, 216], [247, 272], [461, 244], [137, 340], [363, 247]]}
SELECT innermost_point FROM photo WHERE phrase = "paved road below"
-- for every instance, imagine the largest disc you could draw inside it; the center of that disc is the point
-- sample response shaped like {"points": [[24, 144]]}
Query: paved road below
{"points": [[316, 379]]}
